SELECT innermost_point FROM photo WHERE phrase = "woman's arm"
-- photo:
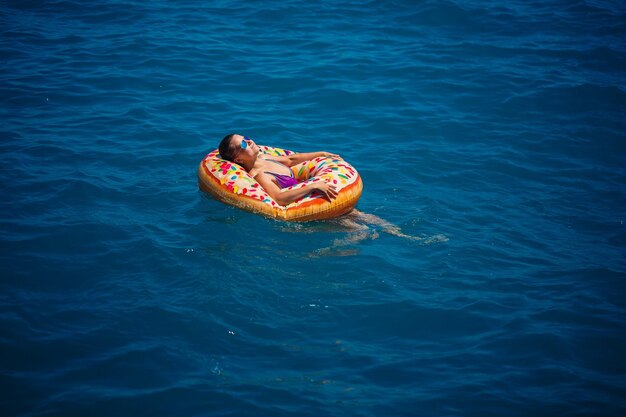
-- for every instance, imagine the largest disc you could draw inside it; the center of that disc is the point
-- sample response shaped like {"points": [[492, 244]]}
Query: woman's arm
{"points": [[296, 158], [284, 197]]}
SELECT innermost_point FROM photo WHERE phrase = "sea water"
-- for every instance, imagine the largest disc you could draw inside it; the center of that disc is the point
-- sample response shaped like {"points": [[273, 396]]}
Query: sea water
{"points": [[497, 127]]}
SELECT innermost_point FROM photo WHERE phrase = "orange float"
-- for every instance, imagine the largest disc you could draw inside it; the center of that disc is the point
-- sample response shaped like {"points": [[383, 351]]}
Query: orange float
{"points": [[231, 184]]}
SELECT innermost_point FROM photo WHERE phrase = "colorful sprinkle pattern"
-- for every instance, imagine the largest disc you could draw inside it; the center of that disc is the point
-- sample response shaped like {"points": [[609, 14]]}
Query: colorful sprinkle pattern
{"points": [[237, 181]]}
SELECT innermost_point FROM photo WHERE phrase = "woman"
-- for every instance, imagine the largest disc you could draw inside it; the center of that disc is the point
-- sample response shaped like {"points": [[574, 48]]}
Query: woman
{"points": [[274, 172], [275, 176]]}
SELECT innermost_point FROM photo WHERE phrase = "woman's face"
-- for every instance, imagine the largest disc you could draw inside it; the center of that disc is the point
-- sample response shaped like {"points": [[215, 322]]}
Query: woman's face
{"points": [[245, 147]]}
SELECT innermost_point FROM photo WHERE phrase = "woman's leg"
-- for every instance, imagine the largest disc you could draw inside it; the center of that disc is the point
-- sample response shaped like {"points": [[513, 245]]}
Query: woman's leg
{"points": [[362, 219], [360, 226]]}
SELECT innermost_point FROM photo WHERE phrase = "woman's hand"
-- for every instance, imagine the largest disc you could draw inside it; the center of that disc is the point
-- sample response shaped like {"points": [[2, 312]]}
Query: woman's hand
{"points": [[329, 190], [330, 155]]}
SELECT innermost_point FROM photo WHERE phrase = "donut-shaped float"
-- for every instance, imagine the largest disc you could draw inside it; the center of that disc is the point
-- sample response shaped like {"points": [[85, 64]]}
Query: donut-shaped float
{"points": [[232, 184]]}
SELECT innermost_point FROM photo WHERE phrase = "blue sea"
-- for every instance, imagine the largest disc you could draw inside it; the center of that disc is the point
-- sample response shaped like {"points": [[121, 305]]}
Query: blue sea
{"points": [[492, 132]]}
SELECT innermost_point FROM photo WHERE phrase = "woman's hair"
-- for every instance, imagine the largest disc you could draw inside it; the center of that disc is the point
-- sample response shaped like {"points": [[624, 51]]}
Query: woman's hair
{"points": [[226, 150]]}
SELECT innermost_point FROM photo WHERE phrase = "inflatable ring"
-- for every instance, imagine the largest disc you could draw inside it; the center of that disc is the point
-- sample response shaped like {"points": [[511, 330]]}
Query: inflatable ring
{"points": [[232, 184]]}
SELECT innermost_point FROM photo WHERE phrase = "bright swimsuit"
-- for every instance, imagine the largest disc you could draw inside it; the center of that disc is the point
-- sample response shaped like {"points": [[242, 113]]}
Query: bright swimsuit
{"points": [[284, 181]]}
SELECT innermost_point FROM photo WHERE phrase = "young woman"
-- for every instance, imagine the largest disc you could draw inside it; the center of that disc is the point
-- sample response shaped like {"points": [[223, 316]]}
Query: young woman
{"points": [[275, 176], [273, 172]]}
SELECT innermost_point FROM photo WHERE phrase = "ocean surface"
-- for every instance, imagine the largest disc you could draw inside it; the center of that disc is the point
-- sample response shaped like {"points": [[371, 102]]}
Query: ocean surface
{"points": [[494, 131]]}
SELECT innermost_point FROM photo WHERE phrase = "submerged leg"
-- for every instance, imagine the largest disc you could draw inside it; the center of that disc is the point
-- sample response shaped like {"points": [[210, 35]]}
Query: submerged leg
{"points": [[351, 239], [360, 228], [362, 219]]}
